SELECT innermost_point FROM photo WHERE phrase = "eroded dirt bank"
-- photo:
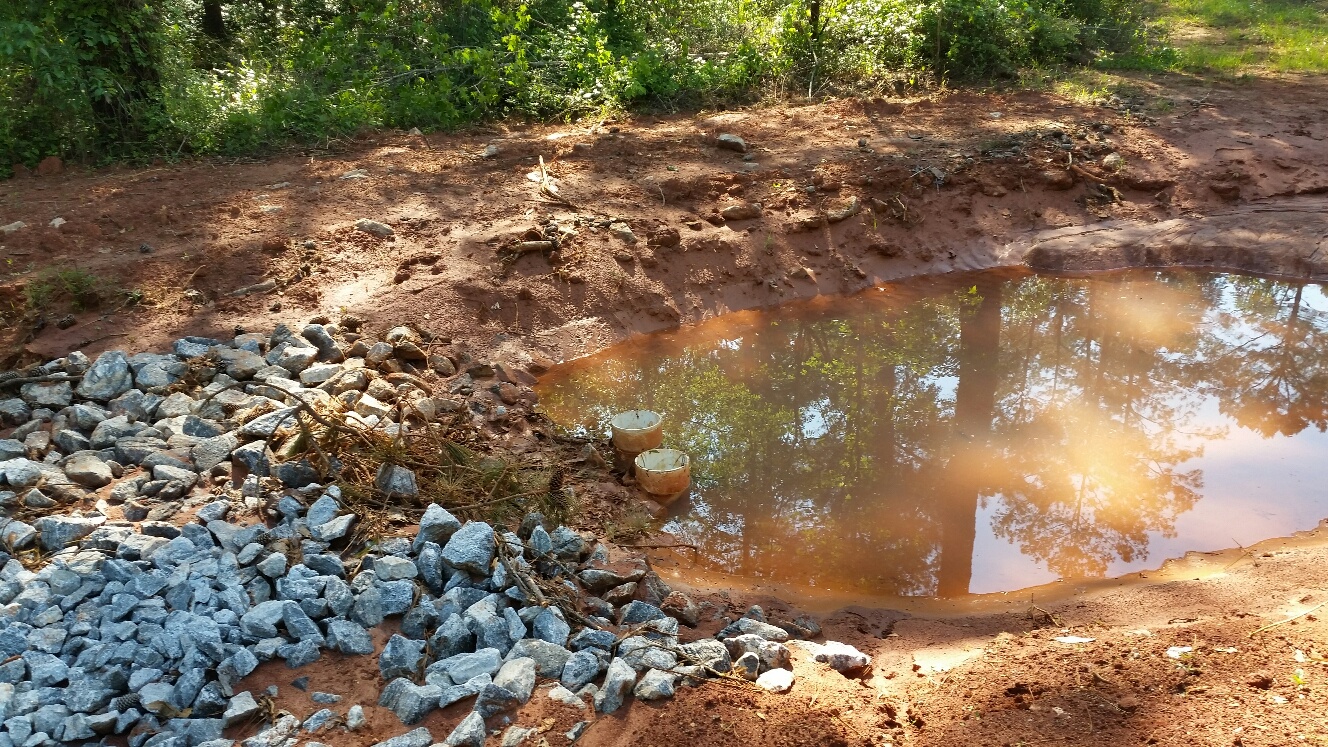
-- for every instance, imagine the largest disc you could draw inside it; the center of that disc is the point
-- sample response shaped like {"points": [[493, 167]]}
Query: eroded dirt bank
{"points": [[953, 183], [1224, 176]]}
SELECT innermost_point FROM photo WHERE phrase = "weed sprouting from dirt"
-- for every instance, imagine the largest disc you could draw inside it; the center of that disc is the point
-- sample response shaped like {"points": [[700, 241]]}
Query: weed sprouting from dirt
{"points": [[448, 467], [78, 287], [630, 525]]}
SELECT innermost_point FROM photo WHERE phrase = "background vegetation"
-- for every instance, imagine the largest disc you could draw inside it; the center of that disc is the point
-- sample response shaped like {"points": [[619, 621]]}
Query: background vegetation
{"points": [[1239, 36], [105, 79]]}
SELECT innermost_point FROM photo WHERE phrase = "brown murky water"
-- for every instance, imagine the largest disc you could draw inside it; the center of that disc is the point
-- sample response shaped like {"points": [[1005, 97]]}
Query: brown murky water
{"points": [[984, 433]]}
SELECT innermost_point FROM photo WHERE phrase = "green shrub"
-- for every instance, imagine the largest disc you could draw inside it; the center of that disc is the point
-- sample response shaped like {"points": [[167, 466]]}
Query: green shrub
{"points": [[106, 79]]}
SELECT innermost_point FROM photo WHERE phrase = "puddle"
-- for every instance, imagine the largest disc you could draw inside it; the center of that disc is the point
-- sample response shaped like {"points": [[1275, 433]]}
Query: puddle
{"points": [[983, 433]]}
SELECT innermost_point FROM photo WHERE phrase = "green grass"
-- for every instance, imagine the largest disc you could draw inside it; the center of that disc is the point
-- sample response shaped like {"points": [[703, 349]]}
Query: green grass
{"points": [[1238, 37], [79, 287]]}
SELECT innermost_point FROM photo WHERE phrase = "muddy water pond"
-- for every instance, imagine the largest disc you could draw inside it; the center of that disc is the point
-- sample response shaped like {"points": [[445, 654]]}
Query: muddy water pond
{"points": [[983, 433]]}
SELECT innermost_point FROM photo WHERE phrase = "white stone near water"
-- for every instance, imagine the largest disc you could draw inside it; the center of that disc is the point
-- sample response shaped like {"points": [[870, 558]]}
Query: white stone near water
{"points": [[776, 681], [841, 657]]}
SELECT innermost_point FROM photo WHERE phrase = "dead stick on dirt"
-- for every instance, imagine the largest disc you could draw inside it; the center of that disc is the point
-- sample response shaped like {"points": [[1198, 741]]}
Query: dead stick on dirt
{"points": [[547, 191], [86, 343], [1050, 617], [1289, 619], [37, 380], [1081, 171], [300, 405], [653, 546], [185, 285]]}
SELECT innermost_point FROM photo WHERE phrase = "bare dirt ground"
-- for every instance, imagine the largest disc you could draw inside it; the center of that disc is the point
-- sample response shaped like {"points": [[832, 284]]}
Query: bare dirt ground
{"points": [[960, 181]]}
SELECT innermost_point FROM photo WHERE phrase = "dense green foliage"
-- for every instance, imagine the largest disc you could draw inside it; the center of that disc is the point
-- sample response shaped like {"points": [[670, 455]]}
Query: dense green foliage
{"points": [[1234, 36], [135, 78]]}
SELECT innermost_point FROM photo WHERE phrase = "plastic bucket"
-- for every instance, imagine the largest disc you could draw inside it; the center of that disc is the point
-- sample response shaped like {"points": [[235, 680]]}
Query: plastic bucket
{"points": [[636, 431], [663, 471]]}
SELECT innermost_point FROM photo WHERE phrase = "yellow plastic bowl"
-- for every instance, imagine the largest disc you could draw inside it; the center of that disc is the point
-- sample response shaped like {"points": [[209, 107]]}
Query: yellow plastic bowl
{"points": [[663, 471], [636, 431]]}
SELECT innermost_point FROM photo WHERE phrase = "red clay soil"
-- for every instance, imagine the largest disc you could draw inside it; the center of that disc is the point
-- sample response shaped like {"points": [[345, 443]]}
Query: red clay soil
{"points": [[953, 182], [202, 227]]}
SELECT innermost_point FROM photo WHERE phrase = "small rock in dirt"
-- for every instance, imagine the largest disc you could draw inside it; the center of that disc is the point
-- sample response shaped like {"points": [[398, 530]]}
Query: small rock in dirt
{"points": [[745, 625], [88, 469], [655, 685], [622, 232], [550, 626], [15, 535], [355, 718], [410, 702], [516, 736], [682, 607], [394, 568], [396, 481], [464, 667], [1058, 180], [709, 653], [852, 208], [517, 677], [470, 732], [273, 566], [842, 657], [108, 378], [418, 738], [437, 526], [617, 683], [348, 637], [802, 627], [59, 531], [747, 666], [242, 707], [382, 230], [400, 658], [772, 655], [560, 694], [729, 141], [744, 211], [494, 700], [50, 394], [1260, 680], [664, 237], [471, 548], [776, 680]]}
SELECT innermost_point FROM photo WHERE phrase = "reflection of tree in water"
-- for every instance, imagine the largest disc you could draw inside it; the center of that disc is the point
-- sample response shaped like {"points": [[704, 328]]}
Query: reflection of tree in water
{"points": [[805, 433], [1096, 419], [851, 445], [1270, 361]]}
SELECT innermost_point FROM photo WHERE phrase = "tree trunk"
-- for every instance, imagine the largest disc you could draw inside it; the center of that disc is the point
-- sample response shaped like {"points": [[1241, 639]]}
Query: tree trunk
{"points": [[214, 24], [975, 399]]}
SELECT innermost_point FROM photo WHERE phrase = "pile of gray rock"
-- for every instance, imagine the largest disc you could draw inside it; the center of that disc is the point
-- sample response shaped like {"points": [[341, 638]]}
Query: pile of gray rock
{"points": [[149, 635], [141, 628], [214, 411]]}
